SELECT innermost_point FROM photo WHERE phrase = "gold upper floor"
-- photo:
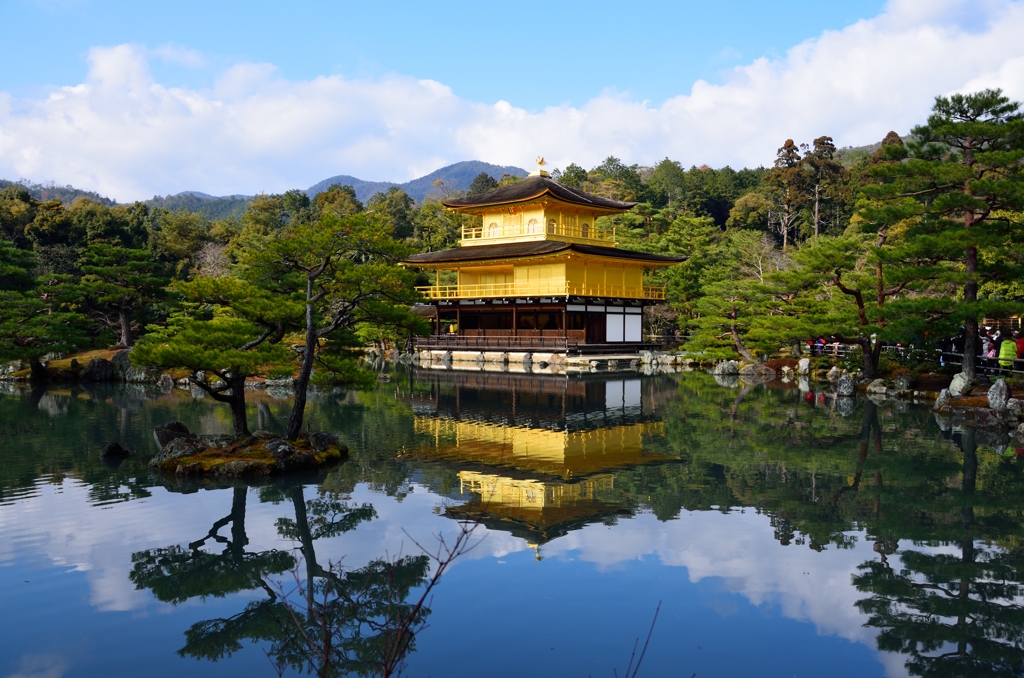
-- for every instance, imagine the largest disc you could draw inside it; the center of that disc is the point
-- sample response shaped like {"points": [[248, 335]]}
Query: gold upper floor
{"points": [[558, 275], [546, 220], [538, 208]]}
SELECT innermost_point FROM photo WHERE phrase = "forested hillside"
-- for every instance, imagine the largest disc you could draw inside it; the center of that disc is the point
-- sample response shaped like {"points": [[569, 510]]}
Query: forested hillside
{"points": [[909, 243], [51, 191], [210, 206]]}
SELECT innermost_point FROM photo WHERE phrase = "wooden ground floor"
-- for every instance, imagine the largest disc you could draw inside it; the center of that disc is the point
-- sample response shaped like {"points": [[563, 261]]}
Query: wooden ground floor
{"points": [[614, 324]]}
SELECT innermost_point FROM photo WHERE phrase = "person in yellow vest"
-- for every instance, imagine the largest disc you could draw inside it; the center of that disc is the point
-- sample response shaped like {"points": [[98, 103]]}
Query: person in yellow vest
{"points": [[1007, 353]]}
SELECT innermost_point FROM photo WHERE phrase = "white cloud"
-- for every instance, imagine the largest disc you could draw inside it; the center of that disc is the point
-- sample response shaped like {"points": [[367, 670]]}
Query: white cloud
{"points": [[41, 666], [124, 134]]}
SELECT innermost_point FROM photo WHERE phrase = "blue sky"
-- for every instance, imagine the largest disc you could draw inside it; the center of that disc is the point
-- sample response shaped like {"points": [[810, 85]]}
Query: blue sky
{"points": [[530, 54], [137, 99]]}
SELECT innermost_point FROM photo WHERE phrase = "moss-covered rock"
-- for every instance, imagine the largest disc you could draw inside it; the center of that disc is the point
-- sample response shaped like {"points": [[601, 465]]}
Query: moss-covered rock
{"points": [[250, 456]]}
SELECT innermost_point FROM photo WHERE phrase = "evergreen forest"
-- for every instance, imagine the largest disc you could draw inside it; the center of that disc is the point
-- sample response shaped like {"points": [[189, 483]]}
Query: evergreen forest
{"points": [[911, 241]]}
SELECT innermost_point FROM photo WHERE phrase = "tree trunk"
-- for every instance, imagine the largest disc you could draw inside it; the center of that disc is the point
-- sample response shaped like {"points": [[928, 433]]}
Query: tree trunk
{"points": [[969, 447], [237, 402], [302, 383], [306, 547], [265, 419], [969, 368], [817, 190], [38, 371], [870, 359], [239, 540], [739, 345], [869, 425], [736, 403], [125, 324]]}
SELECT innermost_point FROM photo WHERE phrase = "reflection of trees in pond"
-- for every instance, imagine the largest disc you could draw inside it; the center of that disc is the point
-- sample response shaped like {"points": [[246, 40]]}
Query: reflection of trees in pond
{"points": [[354, 622], [175, 574], [953, 614], [57, 431], [820, 477], [893, 474], [349, 621]]}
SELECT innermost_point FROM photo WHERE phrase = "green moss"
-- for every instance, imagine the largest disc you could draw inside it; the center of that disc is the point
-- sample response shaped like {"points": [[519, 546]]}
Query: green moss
{"points": [[252, 453]]}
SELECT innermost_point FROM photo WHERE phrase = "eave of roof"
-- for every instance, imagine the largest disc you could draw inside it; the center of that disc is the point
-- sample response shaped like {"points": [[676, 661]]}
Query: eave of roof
{"points": [[533, 188], [534, 249]]}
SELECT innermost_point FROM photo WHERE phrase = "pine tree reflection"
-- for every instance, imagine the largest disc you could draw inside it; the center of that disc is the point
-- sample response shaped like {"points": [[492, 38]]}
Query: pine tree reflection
{"points": [[177, 573], [953, 614], [332, 622]]}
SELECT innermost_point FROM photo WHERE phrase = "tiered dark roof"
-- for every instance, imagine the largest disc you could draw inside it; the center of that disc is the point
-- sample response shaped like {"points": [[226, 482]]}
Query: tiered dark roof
{"points": [[532, 188], [533, 249]]}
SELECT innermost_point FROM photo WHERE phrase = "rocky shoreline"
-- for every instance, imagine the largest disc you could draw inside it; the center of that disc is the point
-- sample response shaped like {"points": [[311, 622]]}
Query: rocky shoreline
{"points": [[94, 368], [963, 403]]}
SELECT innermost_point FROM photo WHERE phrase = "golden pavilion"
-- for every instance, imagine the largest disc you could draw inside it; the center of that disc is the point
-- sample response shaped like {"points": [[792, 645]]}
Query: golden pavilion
{"points": [[538, 273], [537, 454]]}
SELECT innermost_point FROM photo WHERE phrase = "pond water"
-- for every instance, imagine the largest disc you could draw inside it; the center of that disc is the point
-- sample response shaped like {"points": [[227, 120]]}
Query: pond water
{"points": [[781, 533]]}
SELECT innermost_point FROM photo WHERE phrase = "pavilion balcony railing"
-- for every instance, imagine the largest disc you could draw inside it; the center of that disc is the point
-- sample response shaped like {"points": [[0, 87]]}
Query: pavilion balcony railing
{"points": [[541, 289], [478, 234]]}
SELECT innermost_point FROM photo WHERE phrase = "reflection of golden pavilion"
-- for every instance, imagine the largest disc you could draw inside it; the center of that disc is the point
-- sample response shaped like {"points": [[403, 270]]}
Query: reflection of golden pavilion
{"points": [[535, 468], [536, 510], [509, 495], [553, 453]]}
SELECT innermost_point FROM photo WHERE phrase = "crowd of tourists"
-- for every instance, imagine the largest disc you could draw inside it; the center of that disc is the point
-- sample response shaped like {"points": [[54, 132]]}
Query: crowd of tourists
{"points": [[998, 349]]}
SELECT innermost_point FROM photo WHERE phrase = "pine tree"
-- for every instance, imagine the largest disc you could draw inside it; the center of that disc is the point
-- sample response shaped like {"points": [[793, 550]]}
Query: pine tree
{"points": [[840, 286], [734, 296], [117, 285], [836, 290], [826, 179], [954, 612], [31, 322], [482, 183], [958, 189], [230, 329], [344, 272], [786, 183]]}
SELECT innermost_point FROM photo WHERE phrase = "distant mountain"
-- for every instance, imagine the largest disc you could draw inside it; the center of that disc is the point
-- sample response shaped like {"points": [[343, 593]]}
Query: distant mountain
{"points": [[213, 207], [364, 189], [457, 177], [51, 191], [848, 156]]}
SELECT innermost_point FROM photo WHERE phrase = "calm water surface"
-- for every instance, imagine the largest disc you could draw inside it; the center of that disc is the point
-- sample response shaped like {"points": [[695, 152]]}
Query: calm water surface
{"points": [[783, 534]]}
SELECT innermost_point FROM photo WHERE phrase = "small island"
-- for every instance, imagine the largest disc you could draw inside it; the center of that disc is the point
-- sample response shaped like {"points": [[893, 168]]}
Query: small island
{"points": [[262, 453]]}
